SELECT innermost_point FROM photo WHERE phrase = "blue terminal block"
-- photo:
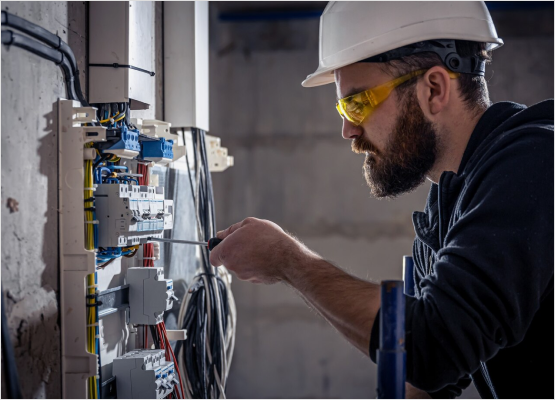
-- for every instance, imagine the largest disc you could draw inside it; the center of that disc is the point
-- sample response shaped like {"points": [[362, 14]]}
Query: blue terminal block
{"points": [[128, 145], [391, 354], [160, 150]]}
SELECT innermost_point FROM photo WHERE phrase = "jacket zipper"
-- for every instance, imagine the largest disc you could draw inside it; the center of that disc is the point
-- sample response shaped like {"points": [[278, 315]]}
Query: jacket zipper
{"points": [[487, 378]]}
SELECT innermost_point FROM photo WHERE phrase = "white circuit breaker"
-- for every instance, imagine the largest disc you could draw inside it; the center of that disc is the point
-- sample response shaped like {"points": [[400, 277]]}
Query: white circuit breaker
{"points": [[129, 214], [144, 374], [149, 295]]}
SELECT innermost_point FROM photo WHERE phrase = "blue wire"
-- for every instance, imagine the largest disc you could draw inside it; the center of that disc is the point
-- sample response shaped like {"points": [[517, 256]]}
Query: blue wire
{"points": [[113, 167]]}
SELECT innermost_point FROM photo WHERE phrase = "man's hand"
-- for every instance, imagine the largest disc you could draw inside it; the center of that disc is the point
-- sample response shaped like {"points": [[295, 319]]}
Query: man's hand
{"points": [[258, 251], [261, 252]]}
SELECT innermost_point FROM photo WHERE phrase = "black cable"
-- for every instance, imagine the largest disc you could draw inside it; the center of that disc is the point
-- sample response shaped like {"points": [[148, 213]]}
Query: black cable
{"points": [[50, 39], [14, 39], [154, 334], [200, 371], [8, 359]]}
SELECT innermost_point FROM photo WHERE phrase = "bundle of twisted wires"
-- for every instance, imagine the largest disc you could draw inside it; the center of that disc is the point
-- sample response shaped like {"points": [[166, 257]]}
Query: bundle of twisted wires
{"points": [[208, 312], [91, 229], [92, 334]]}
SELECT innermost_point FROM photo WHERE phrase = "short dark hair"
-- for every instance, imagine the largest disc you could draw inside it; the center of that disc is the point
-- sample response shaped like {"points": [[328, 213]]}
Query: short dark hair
{"points": [[473, 88]]}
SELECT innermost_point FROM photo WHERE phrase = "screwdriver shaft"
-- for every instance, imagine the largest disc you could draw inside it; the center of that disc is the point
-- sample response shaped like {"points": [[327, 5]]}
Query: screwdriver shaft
{"points": [[153, 239]]}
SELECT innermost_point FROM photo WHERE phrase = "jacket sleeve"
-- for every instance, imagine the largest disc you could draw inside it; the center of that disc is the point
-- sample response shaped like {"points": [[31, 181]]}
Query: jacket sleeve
{"points": [[495, 263]]}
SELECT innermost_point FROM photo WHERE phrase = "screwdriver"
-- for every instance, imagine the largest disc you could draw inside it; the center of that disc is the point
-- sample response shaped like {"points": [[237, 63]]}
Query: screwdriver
{"points": [[210, 244]]}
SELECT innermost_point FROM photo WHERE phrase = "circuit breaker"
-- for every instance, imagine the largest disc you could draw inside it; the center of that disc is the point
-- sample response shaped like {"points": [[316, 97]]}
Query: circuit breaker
{"points": [[129, 214], [149, 295], [144, 374]]}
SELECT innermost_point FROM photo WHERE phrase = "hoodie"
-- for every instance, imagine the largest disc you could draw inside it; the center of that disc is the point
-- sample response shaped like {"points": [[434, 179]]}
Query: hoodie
{"points": [[483, 255]]}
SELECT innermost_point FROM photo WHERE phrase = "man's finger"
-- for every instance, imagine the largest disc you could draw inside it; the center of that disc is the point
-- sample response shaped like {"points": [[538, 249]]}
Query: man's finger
{"points": [[216, 256], [226, 232]]}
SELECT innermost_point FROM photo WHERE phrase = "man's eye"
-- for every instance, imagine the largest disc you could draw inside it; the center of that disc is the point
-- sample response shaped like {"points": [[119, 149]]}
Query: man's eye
{"points": [[355, 106]]}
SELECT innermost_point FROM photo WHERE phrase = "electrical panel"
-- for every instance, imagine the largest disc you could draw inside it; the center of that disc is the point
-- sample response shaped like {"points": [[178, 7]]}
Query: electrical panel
{"points": [[129, 214], [150, 294], [119, 173], [144, 374]]}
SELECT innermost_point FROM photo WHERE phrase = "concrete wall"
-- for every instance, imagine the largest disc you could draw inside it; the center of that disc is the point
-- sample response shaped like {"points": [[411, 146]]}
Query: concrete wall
{"points": [[292, 167], [30, 88]]}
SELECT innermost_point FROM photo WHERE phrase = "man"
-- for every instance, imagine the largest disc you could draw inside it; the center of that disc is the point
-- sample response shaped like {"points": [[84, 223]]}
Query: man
{"points": [[412, 94]]}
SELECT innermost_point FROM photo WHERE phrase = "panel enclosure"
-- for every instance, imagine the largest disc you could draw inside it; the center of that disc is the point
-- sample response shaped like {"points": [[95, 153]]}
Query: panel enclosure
{"points": [[186, 64], [121, 32]]}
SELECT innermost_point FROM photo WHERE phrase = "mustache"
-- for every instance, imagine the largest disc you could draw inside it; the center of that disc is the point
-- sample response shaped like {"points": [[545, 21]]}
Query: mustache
{"points": [[360, 146]]}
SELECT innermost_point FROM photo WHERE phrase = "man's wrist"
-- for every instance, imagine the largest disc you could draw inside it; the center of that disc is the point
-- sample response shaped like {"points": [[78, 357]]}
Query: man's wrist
{"points": [[303, 263]]}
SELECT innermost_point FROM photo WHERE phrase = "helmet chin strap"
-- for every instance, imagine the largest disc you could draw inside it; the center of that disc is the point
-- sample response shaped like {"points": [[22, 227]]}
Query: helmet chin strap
{"points": [[445, 48]]}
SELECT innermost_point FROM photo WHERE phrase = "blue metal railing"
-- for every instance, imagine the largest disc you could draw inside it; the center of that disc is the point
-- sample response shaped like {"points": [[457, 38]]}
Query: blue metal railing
{"points": [[391, 354]]}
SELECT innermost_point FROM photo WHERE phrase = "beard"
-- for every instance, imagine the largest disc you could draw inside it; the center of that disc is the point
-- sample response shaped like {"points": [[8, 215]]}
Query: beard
{"points": [[409, 155]]}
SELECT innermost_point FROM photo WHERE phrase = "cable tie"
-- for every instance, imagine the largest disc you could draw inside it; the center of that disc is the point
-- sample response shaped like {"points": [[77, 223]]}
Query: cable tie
{"points": [[91, 325], [92, 286], [95, 222], [97, 336], [147, 258], [91, 188]]}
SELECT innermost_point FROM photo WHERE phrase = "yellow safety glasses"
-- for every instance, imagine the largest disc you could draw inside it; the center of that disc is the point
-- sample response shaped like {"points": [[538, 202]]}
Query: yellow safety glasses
{"points": [[357, 107]]}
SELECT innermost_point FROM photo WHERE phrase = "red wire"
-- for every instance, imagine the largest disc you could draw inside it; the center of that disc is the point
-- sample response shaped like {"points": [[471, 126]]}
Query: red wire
{"points": [[146, 337], [148, 252], [174, 359]]}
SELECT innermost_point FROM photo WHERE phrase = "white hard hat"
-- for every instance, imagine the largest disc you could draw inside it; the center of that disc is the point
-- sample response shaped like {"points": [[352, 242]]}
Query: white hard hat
{"points": [[351, 31]]}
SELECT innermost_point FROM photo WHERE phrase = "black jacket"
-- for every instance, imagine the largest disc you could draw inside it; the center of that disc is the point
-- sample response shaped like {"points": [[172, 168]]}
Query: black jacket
{"points": [[483, 258]]}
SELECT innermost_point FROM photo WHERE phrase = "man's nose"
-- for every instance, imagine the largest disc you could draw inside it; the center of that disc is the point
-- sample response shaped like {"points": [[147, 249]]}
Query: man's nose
{"points": [[350, 131]]}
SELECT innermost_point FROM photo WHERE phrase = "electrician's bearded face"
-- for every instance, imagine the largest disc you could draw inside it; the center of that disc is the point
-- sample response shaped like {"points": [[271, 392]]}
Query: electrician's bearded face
{"points": [[409, 154]]}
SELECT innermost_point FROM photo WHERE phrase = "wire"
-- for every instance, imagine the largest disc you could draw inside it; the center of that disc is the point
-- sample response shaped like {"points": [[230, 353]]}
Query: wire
{"points": [[91, 229], [208, 312], [103, 121], [122, 116], [14, 39], [92, 333]]}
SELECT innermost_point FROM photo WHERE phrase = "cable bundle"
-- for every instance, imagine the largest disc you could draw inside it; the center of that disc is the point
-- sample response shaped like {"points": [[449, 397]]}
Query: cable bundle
{"points": [[91, 229], [142, 169], [93, 346], [148, 255], [208, 313]]}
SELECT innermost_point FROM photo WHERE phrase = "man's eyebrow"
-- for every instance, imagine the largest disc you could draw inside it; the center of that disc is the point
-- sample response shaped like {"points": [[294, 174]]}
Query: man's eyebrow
{"points": [[355, 90]]}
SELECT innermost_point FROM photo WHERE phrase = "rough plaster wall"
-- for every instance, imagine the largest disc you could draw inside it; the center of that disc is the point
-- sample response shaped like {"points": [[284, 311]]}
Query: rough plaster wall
{"points": [[30, 87], [293, 167]]}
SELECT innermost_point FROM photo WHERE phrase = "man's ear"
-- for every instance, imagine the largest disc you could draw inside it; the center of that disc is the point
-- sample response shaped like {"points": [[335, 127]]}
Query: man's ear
{"points": [[434, 91]]}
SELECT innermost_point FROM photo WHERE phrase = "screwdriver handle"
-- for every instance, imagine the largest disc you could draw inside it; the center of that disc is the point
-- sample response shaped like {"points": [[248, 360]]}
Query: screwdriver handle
{"points": [[213, 243]]}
